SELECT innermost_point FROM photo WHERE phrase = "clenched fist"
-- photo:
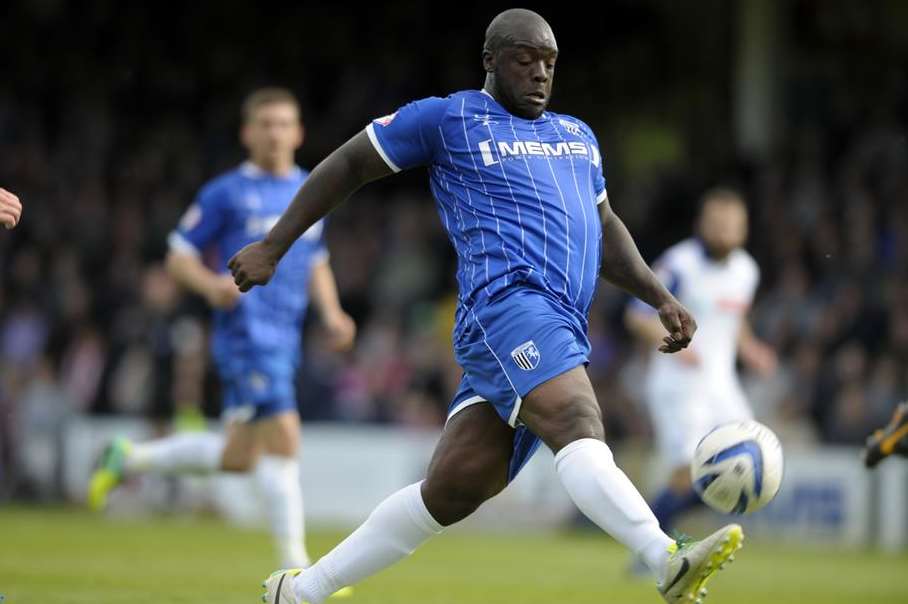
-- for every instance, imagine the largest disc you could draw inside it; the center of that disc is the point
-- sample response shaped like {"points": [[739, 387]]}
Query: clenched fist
{"points": [[253, 265]]}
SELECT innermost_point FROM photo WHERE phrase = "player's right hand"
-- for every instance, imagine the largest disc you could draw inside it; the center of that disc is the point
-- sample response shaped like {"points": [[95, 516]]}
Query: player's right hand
{"points": [[253, 265], [10, 209], [223, 293]]}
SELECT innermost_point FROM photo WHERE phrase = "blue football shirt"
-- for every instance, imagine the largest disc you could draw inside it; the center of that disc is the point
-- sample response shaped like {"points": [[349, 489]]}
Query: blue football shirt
{"points": [[230, 212], [518, 198]]}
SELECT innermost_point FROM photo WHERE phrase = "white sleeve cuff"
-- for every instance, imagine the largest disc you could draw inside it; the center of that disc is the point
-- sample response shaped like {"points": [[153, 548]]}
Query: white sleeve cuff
{"points": [[370, 132], [181, 245], [602, 196]]}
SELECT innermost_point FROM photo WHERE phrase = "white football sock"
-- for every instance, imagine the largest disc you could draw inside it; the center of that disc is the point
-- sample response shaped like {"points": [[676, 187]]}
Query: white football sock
{"points": [[606, 496], [279, 480], [198, 452], [399, 525]]}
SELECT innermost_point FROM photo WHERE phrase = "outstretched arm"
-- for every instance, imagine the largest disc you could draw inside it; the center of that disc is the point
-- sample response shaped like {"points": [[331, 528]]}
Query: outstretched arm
{"points": [[623, 266], [332, 181]]}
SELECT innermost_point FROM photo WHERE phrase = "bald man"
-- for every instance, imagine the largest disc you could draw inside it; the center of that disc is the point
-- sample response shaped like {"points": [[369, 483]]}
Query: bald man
{"points": [[522, 195]]}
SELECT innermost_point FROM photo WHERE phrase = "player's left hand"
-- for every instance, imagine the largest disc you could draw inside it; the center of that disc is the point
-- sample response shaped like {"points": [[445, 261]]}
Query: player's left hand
{"points": [[253, 265], [341, 330], [680, 325], [10, 209]]}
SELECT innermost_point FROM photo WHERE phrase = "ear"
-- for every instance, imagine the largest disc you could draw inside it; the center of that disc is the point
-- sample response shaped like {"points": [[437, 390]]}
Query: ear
{"points": [[488, 61]]}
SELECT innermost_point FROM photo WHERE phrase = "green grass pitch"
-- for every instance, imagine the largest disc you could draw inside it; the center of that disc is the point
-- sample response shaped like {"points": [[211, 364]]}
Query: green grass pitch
{"points": [[57, 556]]}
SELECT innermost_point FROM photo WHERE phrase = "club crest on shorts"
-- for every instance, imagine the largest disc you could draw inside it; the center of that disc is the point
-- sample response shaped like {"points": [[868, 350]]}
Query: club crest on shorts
{"points": [[526, 356]]}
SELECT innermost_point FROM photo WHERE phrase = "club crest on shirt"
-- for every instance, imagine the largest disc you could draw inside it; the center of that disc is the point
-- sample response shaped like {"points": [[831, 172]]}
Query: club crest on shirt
{"points": [[571, 127], [258, 381], [385, 120], [526, 356]]}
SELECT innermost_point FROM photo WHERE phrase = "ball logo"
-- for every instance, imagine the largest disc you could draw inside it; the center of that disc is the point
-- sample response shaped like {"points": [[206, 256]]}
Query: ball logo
{"points": [[384, 121], [526, 356]]}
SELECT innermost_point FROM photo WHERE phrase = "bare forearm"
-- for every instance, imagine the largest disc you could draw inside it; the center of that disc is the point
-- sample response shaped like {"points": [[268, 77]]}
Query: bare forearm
{"points": [[622, 264], [645, 327], [336, 178], [323, 289], [191, 273]]}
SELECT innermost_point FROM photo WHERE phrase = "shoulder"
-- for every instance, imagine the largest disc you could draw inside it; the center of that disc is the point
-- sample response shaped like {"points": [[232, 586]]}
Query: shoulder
{"points": [[685, 255], [575, 125], [744, 265], [220, 187], [428, 108]]}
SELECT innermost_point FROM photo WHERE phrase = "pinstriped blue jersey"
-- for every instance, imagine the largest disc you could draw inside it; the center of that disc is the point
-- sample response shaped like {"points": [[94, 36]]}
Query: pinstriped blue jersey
{"points": [[517, 197], [230, 212]]}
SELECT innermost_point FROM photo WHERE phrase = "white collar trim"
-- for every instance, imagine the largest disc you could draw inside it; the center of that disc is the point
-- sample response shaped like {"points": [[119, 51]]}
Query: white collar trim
{"points": [[249, 169]]}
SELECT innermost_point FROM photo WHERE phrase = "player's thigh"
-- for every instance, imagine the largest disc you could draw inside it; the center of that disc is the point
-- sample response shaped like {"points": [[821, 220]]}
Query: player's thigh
{"points": [[729, 404], [241, 447], [563, 409], [279, 434], [470, 463], [680, 418]]}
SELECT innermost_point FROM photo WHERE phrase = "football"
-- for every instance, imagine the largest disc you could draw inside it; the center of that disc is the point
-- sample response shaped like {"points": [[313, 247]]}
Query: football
{"points": [[737, 468]]}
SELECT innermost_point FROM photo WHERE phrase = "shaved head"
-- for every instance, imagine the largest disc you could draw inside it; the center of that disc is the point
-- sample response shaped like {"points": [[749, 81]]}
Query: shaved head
{"points": [[519, 59], [517, 26]]}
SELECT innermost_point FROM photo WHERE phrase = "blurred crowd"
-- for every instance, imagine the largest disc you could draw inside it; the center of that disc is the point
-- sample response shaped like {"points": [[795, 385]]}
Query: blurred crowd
{"points": [[90, 323]]}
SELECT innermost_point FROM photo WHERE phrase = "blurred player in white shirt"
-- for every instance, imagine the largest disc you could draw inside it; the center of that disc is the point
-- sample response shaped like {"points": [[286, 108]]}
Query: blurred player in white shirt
{"points": [[691, 392]]}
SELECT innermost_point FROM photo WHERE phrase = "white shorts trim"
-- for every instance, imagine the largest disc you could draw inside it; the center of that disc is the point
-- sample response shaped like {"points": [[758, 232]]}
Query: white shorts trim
{"points": [[512, 419], [463, 405]]}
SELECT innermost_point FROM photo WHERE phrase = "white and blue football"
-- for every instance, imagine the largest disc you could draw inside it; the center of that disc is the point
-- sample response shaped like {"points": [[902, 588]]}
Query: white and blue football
{"points": [[737, 468]]}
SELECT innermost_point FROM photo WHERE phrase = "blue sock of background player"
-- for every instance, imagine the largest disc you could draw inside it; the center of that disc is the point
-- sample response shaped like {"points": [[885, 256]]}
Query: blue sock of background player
{"points": [[670, 503]]}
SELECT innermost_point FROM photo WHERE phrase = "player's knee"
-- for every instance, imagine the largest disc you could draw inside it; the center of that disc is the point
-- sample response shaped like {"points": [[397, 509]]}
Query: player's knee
{"points": [[450, 504], [238, 461], [571, 419], [287, 445], [452, 498]]}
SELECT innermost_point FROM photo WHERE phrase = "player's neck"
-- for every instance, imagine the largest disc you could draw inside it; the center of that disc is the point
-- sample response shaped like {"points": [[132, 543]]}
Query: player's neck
{"points": [[280, 168], [713, 254]]}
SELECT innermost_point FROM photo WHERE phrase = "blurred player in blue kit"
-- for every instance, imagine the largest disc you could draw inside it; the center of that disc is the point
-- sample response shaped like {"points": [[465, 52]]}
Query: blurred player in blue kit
{"points": [[522, 196], [257, 340]]}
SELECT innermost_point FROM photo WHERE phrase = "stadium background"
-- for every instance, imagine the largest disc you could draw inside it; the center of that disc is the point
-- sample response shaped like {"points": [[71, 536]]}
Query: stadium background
{"points": [[113, 114]]}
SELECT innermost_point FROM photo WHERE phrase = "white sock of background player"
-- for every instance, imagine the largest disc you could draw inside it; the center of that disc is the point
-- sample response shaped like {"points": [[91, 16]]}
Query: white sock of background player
{"points": [[192, 452], [279, 480]]}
